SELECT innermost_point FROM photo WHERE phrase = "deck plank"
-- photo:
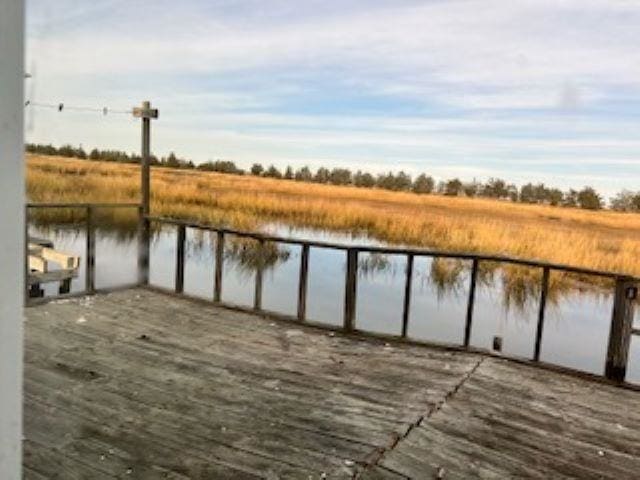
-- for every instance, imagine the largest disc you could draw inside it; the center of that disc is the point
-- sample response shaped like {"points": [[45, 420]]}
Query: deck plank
{"points": [[138, 384]]}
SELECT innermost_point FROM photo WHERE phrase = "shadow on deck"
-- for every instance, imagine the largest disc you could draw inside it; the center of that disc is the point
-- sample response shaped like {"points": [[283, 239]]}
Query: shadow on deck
{"points": [[137, 384]]}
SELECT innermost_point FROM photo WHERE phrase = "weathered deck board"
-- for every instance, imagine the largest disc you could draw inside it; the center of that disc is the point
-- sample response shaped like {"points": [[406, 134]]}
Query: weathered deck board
{"points": [[169, 385], [509, 420], [138, 384]]}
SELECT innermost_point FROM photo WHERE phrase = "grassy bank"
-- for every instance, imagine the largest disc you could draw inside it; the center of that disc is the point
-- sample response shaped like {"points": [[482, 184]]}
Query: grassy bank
{"points": [[601, 240]]}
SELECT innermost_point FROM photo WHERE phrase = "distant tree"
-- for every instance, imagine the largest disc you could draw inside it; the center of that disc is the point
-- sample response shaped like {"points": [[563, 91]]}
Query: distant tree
{"points": [[364, 180], [453, 188], [539, 193], [221, 166], [386, 181], [67, 151], [555, 196], [471, 189], [423, 184], [495, 188], [570, 198], [589, 199], [171, 161], [340, 176], [402, 181], [288, 173], [257, 169], [623, 201], [94, 155], [398, 182], [304, 175], [512, 192], [527, 193], [322, 175], [272, 172]]}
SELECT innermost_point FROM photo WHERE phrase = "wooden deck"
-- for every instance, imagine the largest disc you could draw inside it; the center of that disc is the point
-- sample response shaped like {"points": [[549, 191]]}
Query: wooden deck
{"points": [[142, 385]]}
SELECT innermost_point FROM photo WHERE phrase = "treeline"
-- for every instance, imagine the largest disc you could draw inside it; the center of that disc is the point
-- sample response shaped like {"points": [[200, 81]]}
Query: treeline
{"points": [[495, 188]]}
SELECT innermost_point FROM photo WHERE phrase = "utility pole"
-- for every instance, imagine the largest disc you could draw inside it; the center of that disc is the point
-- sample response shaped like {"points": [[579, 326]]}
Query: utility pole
{"points": [[146, 113]]}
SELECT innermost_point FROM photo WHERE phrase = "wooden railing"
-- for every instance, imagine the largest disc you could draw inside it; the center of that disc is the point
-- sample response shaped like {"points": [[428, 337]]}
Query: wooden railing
{"points": [[622, 316], [90, 245], [625, 294]]}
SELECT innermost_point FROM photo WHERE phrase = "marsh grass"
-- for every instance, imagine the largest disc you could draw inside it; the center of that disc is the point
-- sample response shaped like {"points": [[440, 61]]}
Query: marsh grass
{"points": [[600, 240]]}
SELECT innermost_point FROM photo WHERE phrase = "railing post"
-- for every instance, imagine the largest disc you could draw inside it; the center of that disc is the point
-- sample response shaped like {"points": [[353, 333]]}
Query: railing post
{"points": [[90, 272], [351, 287], [217, 280], [407, 296], [303, 282], [626, 293], [257, 295], [144, 239], [182, 235], [544, 292], [471, 302]]}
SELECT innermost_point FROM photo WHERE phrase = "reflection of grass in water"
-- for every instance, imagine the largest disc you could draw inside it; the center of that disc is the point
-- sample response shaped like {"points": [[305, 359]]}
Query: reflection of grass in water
{"points": [[122, 221], [520, 286], [55, 232], [372, 263], [446, 274], [248, 255]]}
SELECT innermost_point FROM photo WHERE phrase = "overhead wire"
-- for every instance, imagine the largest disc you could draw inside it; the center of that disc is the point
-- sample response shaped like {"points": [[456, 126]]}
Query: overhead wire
{"points": [[61, 107]]}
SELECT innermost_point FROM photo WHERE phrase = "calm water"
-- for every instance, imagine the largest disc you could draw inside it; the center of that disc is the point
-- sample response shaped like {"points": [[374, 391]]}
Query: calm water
{"points": [[576, 327]]}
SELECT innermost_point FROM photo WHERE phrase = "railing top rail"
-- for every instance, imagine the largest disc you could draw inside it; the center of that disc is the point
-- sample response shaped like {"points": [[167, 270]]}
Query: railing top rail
{"points": [[82, 205], [398, 250]]}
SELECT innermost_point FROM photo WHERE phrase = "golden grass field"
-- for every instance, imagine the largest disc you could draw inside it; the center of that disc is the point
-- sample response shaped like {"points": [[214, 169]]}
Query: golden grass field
{"points": [[601, 240]]}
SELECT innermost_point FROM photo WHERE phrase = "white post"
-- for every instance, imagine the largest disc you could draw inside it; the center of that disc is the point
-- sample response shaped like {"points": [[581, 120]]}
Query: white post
{"points": [[12, 237]]}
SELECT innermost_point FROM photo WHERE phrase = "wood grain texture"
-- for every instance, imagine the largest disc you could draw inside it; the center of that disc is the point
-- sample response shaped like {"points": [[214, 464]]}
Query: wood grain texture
{"points": [[137, 384], [162, 387], [514, 421]]}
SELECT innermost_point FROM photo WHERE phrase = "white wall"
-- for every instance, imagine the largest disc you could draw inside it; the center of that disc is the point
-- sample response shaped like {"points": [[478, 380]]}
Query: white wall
{"points": [[11, 235]]}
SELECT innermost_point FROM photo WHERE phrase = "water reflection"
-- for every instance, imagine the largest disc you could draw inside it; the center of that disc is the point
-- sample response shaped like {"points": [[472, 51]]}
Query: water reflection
{"points": [[520, 285], [507, 297], [448, 275], [249, 255]]}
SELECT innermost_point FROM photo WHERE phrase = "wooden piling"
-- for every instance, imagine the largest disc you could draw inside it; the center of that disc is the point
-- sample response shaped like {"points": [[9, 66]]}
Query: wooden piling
{"points": [[471, 301], [351, 287], [217, 280], [544, 291], [407, 296], [257, 295], [180, 256], [303, 282], [90, 267], [626, 293]]}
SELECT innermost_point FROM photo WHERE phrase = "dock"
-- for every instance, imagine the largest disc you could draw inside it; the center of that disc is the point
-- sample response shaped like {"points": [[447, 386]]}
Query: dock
{"points": [[144, 385]]}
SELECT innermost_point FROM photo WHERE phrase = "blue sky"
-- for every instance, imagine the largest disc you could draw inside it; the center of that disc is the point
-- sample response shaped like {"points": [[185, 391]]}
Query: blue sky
{"points": [[541, 90]]}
